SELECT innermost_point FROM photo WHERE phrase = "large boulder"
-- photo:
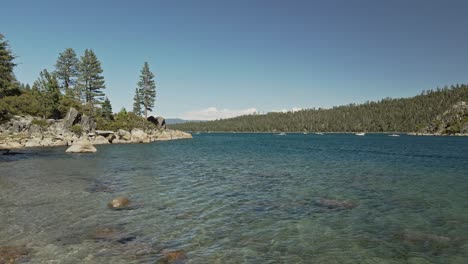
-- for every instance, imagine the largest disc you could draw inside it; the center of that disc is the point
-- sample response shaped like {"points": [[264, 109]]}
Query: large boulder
{"points": [[72, 118], [139, 136], [88, 125], [109, 135], [99, 140], [59, 129], [159, 121], [124, 135], [171, 135], [82, 146]]}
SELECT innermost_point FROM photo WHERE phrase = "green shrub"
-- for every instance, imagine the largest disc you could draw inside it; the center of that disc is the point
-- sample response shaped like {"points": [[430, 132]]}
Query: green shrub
{"points": [[5, 110], [77, 129], [24, 104], [40, 122], [123, 120]]}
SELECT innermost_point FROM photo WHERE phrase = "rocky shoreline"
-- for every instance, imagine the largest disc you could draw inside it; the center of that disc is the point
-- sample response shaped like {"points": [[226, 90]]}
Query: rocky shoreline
{"points": [[27, 131]]}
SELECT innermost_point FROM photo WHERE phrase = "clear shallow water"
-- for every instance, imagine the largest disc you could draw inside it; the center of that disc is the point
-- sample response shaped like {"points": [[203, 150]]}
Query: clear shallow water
{"points": [[242, 198]]}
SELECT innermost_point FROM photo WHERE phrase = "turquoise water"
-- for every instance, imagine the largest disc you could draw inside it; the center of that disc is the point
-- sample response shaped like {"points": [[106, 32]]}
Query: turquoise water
{"points": [[242, 198]]}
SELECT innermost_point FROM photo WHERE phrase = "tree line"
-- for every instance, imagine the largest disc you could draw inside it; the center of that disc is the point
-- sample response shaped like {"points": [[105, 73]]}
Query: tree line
{"points": [[75, 82], [387, 115]]}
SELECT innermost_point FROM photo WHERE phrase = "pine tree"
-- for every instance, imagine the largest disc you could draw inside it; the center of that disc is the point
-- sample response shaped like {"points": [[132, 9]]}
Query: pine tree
{"points": [[107, 109], [137, 103], [47, 90], [147, 89], [90, 80], [7, 78], [67, 69]]}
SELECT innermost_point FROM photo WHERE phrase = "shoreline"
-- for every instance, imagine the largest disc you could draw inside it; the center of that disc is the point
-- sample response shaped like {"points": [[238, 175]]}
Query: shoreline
{"points": [[313, 133], [78, 132], [137, 136]]}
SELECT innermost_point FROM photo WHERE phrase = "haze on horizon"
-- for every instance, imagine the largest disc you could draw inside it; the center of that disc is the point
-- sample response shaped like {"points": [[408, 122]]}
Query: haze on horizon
{"points": [[217, 59]]}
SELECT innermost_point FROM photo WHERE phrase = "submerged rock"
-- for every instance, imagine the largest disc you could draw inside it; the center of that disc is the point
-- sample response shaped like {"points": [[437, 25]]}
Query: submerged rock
{"points": [[425, 239], [120, 202], [336, 204], [13, 254], [82, 146], [173, 256], [112, 234]]}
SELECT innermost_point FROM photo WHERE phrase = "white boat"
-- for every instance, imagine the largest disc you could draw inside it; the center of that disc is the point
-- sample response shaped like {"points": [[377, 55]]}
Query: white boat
{"points": [[394, 135], [280, 134], [305, 133], [360, 134], [319, 133]]}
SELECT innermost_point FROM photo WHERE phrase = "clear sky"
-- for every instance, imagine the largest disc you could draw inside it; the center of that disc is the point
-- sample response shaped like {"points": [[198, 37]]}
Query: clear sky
{"points": [[220, 58]]}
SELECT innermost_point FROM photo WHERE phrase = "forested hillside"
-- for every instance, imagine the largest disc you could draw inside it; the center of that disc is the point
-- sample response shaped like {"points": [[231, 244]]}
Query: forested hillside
{"points": [[387, 115]]}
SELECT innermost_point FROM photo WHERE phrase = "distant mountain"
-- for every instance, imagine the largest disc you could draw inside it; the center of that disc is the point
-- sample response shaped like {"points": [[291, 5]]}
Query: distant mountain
{"points": [[174, 121], [387, 115]]}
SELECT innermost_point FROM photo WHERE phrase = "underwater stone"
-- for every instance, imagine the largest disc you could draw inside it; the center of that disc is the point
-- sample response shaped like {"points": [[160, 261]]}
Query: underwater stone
{"points": [[119, 203]]}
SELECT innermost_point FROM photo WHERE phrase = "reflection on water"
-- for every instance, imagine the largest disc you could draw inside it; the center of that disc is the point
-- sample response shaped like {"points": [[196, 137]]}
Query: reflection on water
{"points": [[241, 198]]}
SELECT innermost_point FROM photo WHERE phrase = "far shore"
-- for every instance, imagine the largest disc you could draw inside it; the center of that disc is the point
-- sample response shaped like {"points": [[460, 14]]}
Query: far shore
{"points": [[296, 132]]}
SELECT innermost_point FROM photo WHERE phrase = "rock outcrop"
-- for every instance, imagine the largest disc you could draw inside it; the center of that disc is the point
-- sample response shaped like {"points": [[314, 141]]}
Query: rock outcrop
{"points": [[82, 146], [452, 122], [27, 131]]}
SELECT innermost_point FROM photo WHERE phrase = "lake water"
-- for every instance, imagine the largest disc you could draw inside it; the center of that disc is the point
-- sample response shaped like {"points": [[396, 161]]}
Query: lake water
{"points": [[242, 198]]}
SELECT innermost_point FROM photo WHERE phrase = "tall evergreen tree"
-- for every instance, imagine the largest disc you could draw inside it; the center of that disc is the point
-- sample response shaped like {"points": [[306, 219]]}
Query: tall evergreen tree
{"points": [[147, 89], [137, 103], [90, 80], [47, 91], [107, 109], [66, 69], [7, 78]]}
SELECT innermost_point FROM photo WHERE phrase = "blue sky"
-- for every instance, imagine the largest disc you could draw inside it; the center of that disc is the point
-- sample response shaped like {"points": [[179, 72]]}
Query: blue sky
{"points": [[222, 58]]}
